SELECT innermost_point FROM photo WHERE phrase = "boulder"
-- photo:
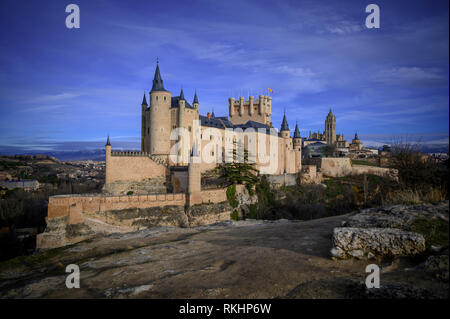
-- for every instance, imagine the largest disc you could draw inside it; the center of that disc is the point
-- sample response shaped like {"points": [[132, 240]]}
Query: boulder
{"points": [[365, 243], [397, 216]]}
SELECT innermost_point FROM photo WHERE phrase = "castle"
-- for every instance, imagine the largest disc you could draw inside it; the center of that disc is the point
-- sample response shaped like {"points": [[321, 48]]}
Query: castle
{"points": [[173, 133]]}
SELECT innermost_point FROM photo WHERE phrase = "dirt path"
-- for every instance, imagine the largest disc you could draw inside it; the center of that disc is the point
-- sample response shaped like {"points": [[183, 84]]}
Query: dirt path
{"points": [[282, 259]]}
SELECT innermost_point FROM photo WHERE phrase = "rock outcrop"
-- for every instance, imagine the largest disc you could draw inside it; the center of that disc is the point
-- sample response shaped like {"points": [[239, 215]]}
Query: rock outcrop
{"points": [[60, 233], [371, 242], [397, 216], [385, 231]]}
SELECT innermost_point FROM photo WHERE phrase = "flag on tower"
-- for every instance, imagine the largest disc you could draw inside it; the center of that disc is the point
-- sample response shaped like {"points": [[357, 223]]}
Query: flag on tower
{"points": [[270, 90]]}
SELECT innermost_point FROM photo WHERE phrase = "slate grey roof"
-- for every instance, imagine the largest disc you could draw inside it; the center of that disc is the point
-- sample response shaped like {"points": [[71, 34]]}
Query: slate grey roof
{"points": [[214, 122], [284, 124], [157, 81], [195, 97], [182, 95], [223, 123], [297, 131], [316, 144], [107, 142], [175, 102], [144, 101]]}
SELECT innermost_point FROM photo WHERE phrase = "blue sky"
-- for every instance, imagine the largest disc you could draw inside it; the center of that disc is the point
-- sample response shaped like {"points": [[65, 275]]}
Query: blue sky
{"points": [[59, 84]]}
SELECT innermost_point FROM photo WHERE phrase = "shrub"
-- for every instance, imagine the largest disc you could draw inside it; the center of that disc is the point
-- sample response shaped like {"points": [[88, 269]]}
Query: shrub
{"points": [[234, 215], [231, 196], [435, 231], [403, 196], [253, 211], [130, 193], [415, 170]]}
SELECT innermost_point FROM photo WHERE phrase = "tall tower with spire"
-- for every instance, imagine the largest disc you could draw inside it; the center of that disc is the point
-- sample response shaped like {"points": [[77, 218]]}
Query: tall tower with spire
{"points": [[297, 146], [144, 129], [160, 102], [284, 131], [297, 138], [330, 128]]}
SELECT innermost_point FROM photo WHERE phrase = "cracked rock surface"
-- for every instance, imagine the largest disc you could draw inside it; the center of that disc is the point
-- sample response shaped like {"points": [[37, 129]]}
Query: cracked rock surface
{"points": [[244, 259]]}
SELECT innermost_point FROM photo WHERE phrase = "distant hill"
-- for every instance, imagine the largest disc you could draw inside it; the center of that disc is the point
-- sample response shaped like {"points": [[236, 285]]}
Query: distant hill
{"points": [[69, 151]]}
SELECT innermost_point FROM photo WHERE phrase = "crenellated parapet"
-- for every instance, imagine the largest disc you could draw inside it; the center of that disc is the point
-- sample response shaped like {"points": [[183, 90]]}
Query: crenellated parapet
{"points": [[129, 153], [259, 110]]}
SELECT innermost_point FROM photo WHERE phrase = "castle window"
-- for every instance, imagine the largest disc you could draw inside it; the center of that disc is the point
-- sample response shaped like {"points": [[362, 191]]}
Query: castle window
{"points": [[157, 98], [174, 127], [164, 98], [190, 129]]}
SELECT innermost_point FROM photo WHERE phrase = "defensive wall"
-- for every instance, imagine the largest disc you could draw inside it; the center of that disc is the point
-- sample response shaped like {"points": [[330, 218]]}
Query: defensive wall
{"points": [[342, 166]]}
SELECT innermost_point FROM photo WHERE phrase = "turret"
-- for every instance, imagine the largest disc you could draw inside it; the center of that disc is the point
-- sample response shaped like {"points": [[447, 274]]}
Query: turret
{"points": [[195, 101], [261, 106], [107, 160], [181, 124], [231, 106], [330, 128], [284, 131], [297, 141], [241, 106], [160, 102], [144, 130]]}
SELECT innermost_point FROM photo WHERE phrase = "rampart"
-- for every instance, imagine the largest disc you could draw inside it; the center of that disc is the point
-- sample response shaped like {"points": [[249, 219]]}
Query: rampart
{"points": [[72, 218]]}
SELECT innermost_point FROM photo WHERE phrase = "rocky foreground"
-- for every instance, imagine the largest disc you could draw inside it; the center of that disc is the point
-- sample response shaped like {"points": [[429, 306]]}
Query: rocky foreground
{"points": [[245, 259]]}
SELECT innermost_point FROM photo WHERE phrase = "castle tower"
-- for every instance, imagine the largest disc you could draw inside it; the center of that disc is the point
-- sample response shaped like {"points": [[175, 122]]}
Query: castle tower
{"points": [[144, 129], [330, 128], [241, 111], [181, 124], [160, 102], [107, 161], [195, 104], [286, 135], [284, 131], [297, 143], [194, 178]]}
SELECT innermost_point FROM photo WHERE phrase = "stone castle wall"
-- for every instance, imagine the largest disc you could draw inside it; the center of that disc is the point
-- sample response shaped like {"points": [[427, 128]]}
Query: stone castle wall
{"points": [[61, 205], [132, 167], [72, 218], [342, 166], [335, 166], [282, 180]]}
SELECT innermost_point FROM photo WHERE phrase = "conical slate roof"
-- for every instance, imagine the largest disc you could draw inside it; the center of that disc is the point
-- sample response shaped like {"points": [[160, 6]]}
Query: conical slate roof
{"points": [[284, 124], [297, 131], [108, 143], [195, 98], [181, 94], [157, 81], [144, 101]]}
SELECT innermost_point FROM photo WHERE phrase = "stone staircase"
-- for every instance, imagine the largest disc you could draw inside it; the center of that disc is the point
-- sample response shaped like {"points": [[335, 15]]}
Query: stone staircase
{"points": [[159, 160]]}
